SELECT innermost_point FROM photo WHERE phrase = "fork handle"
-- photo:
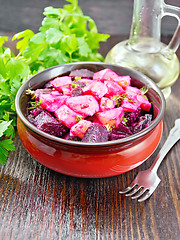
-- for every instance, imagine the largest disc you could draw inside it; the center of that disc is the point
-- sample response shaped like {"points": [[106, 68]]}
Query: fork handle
{"points": [[174, 136]]}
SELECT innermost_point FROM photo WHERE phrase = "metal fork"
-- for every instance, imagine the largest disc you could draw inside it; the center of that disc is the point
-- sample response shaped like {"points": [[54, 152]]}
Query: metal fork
{"points": [[147, 181]]}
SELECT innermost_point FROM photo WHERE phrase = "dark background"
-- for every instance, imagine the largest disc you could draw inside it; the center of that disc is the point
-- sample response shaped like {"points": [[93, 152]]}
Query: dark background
{"points": [[18, 15]]}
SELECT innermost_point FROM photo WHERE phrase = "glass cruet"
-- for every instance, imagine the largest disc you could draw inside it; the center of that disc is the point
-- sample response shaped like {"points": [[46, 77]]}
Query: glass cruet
{"points": [[144, 50]]}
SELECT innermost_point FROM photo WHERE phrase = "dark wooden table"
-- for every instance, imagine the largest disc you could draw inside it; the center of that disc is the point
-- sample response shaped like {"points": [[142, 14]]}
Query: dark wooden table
{"points": [[38, 203]]}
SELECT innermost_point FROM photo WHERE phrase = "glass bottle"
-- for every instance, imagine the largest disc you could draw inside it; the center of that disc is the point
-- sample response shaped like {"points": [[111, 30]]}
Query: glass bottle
{"points": [[144, 50]]}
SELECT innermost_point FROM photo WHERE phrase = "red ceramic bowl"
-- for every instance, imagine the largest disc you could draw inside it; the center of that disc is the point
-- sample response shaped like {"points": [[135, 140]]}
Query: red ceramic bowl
{"points": [[90, 160]]}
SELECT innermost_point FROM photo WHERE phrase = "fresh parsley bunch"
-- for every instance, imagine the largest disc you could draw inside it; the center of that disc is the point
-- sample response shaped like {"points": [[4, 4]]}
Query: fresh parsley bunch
{"points": [[66, 35]]}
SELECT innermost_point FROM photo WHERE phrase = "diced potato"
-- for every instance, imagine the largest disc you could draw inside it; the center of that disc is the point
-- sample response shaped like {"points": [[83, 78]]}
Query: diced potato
{"points": [[129, 106], [113, 88], [97, 89], [52, 102], [59, 82], [85, 105], [123, 81], [105, 74], [80, 128], [144, 102], [66, 90], [111, 117], [67, 116], [106, 104], [132, 92]]}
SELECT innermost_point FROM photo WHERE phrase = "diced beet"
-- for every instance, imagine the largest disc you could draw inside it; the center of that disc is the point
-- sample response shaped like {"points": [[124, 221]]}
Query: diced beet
{"points": [[106, 104], [67, 116], [116, 136], [37, 111], [122, 128], [113, 88], [47, 123], [44, 117], [30, 118], [85, 105], [59, 82], [97, 89], [80, 128], [148, 118], [58, 130], [111, 117], [77, 91], [96, 133], [132, 117], [120, 132], [84, 73], [143, 122]]}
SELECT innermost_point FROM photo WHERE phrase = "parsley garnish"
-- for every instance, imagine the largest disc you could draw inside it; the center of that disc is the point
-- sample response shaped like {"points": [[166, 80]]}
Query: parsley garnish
{"points": [[34, 105], [31, 93], [77, 78], [78, 118], [73, 85], [124, 120], [118, 99], [108, 127], [144, 89]]}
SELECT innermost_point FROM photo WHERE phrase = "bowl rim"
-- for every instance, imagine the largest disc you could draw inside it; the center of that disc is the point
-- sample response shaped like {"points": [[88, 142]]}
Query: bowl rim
{"points": [[84, 144]]}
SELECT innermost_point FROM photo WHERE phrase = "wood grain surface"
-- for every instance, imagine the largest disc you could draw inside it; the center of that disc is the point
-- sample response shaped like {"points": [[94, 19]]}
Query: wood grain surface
{"points": [[113, 17], [38, 203]]}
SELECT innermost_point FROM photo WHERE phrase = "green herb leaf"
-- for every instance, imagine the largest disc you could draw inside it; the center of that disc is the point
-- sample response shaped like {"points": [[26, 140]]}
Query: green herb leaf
{"points": [[4, 126], [53, 36], [78, 118], [3, 39], [53, 12], [16, 67], [49, 22], [34, 104], [52, 57], [84, 48], [144, 89], [25, 36], [4, 88], [5, 146]]}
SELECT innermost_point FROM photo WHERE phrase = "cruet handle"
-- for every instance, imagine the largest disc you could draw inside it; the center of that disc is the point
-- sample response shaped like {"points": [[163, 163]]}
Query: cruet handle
{"points": [[169, 10]]}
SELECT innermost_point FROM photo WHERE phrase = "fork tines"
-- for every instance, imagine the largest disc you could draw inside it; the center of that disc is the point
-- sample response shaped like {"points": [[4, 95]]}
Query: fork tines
{"points": [[137, 192]]}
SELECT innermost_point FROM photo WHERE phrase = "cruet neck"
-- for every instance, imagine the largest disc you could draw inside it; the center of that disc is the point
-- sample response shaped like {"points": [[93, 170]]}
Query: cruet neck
{"points": [[146, 25]]}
